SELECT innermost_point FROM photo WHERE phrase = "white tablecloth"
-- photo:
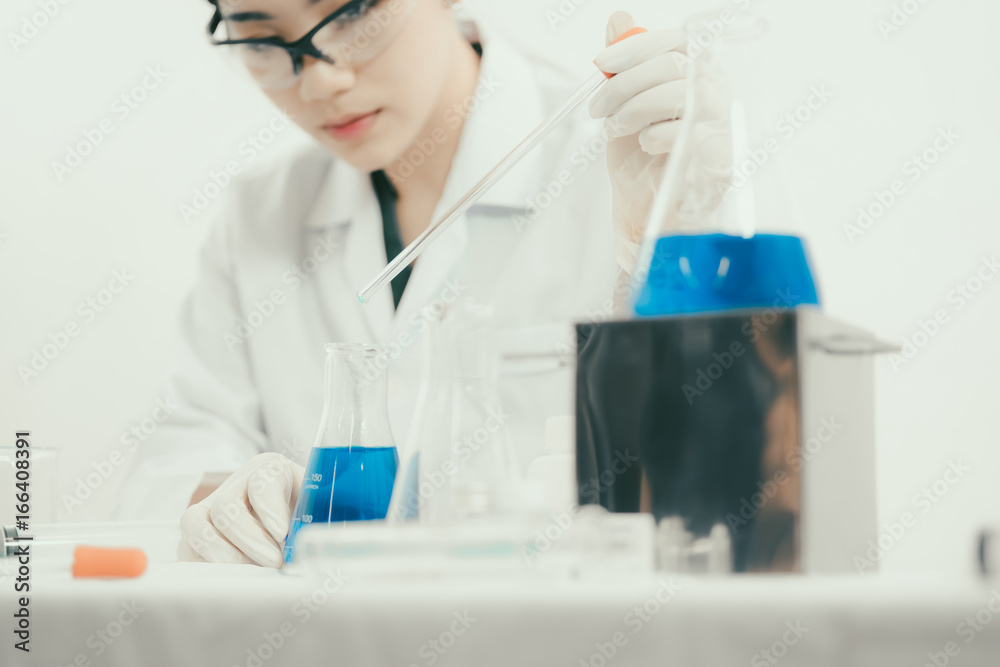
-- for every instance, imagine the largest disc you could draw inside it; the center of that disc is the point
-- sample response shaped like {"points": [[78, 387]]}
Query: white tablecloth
{"points": [[221, 615]]}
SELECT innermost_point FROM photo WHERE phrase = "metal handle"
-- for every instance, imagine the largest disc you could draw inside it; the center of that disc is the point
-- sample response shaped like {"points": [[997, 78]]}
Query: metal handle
{"points": [[844, 344]]}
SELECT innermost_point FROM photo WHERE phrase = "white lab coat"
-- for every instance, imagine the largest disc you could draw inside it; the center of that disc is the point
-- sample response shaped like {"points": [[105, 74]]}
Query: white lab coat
{"points": [[240, 395]]}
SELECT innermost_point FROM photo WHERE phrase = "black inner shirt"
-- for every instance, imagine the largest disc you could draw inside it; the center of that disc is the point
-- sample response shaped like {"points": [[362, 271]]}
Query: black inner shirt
{"points": [[387, 197]]}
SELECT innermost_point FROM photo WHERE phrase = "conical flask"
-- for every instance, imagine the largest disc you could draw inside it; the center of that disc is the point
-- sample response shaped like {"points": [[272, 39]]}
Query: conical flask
{"points": [[352, 466], [422, 490], [724, 184], [459, 463], [486, 473]]}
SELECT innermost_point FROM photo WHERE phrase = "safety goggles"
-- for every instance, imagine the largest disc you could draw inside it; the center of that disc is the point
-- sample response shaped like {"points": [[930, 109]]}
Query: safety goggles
{"points": [[353, 33]]}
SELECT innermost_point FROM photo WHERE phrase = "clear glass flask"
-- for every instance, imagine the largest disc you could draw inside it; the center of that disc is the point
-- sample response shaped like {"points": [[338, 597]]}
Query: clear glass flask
{"points": [[725, 182], [459, 462], [352, 466]]}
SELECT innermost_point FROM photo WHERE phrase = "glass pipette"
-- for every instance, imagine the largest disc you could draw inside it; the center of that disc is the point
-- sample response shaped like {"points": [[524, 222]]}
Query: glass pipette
{"points": [[436, 228]]}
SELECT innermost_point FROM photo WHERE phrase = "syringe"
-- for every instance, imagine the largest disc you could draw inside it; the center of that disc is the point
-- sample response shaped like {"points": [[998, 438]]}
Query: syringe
{"points": [[436, 228]]}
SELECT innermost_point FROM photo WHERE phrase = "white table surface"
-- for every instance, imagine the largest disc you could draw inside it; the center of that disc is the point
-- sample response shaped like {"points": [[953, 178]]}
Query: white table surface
{"points": [[207, 614]]}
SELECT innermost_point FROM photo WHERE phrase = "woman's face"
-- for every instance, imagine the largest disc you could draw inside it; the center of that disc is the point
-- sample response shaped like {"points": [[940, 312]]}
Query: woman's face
{"points": [[366, 112]]}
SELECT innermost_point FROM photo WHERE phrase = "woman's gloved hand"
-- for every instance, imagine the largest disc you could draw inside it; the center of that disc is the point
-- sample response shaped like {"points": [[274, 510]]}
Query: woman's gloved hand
{"points": [[245, 520], [642, 104]]}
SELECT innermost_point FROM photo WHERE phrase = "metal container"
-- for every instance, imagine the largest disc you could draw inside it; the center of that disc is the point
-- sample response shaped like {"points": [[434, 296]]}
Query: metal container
{"points": [[762, 420]]}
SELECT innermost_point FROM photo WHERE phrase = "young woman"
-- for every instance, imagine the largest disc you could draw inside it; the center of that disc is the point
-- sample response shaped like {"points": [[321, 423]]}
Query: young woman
{"points": [[409, 107]]}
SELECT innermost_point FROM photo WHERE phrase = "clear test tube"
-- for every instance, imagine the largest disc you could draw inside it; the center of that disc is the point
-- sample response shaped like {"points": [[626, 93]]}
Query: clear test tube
{"points": [[55, 543]]}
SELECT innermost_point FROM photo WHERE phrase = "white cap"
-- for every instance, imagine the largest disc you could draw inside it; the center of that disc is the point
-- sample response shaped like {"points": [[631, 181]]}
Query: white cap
{"points": [[560, 434]]}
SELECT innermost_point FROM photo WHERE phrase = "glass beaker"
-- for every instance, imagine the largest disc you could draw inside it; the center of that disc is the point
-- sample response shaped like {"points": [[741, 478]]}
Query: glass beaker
{"points": [[724, 181], [422, 490], [459, 463], [352, 466]]}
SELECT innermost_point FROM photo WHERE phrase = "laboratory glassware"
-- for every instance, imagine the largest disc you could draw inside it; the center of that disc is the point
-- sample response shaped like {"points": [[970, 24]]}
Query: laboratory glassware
{"points": [[715, 392], [725, 181], [677, 550], [459, 463], [588, 542], [352, 466], [422, 489]]}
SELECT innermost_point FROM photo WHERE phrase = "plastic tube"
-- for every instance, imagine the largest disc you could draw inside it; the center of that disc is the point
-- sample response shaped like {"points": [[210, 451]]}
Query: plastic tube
{"points": [[57, 545]]}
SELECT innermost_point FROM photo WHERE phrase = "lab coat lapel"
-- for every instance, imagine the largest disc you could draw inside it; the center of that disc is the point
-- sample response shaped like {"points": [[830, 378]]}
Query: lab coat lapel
{"points": [[348, 199], [508, 107]]}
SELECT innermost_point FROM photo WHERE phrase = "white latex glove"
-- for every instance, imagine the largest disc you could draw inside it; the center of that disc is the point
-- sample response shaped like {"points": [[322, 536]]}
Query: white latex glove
{"points": [[642, 104], [246, 519]]}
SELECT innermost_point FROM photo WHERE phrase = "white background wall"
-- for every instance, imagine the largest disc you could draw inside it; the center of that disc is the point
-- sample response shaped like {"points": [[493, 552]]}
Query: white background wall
{"points": [[61, 241]]}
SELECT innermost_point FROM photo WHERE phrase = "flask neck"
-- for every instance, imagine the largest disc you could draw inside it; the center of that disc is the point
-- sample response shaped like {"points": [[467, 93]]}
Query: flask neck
{"points": [[356, 397]]}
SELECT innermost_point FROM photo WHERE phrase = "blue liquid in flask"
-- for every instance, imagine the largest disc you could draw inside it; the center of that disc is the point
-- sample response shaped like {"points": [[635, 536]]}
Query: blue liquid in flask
{"points": [[344, 484]]}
